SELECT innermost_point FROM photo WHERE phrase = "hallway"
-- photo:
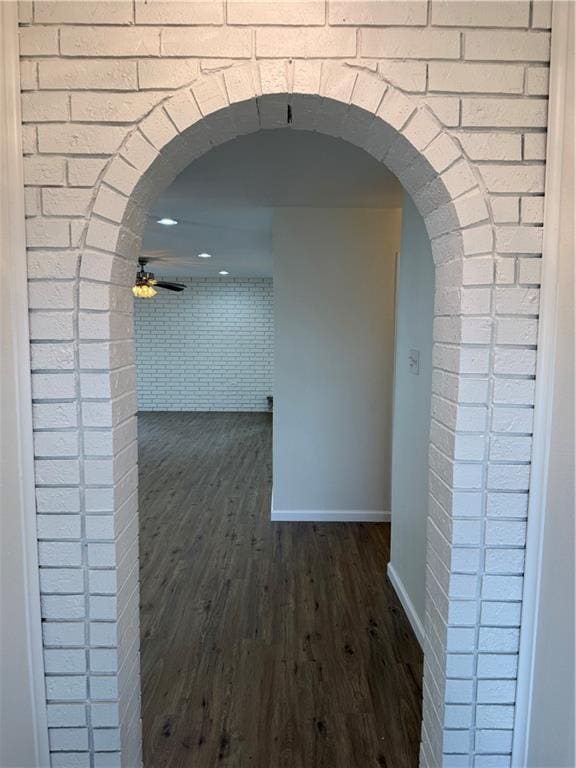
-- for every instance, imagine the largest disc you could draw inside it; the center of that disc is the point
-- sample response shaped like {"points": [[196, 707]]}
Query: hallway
{"points": [[271, 645]]}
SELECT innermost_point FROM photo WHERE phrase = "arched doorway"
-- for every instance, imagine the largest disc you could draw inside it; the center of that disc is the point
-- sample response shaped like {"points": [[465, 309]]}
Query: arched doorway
{"points": [[236, 606], [361, 108]]}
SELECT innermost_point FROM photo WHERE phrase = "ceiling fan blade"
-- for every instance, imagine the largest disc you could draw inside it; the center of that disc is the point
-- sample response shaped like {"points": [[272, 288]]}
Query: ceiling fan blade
{"points": [[169, 286]]}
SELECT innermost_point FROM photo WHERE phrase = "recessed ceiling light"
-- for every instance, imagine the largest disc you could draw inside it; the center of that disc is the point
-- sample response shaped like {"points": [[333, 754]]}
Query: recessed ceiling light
{"points": [[204, 255], [167, 222], [223, 272]]}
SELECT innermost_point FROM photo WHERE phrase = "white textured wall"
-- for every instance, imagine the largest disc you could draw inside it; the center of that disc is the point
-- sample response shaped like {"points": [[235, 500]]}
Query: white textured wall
{"points": [[551, 723], [334, 273], [117, 97], [208, 348], [411, 431]]}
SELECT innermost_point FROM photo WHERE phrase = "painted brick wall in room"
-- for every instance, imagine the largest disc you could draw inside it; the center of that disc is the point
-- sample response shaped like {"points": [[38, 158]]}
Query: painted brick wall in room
{"points": [[209, 348], [466, 84]]}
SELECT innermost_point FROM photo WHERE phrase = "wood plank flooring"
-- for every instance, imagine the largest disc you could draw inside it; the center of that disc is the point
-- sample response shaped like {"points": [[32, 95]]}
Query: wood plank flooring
{"points": [[264, 645]]}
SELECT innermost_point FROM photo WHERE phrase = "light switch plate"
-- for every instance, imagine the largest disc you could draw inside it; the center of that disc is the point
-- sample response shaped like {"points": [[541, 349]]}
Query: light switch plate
{"points": [[414, 361]]}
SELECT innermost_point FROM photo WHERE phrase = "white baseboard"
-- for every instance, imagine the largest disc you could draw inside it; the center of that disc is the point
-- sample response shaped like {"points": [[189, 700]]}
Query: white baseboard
{"points": [[329, 516], [407, 604]]}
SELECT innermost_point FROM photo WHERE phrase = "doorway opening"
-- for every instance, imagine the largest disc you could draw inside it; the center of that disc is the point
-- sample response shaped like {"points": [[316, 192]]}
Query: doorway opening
{"points": [[364, 110], [280, 598]]}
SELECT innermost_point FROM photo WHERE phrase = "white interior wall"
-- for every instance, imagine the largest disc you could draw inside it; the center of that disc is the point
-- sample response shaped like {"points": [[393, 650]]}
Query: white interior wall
{"points": [[553, 713], [552, 717], [209, 348], [334, 275], [411, 424], [23, 723]]}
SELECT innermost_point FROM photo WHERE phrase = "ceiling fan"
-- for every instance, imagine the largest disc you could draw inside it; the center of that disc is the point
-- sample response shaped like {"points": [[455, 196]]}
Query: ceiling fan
{"points": [[146, 284]]}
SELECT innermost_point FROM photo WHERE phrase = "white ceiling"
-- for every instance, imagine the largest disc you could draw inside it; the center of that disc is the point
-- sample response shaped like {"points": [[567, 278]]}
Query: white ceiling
{"points": [[224, 201]]}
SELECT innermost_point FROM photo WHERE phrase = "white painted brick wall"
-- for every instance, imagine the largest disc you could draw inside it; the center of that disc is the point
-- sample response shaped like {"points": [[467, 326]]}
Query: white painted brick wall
{"points": [[209, 348], [478, 70]]}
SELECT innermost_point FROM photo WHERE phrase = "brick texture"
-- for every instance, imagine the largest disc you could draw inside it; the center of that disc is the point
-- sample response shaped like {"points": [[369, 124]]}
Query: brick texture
{"points": [[118, 97], [209, 348]]}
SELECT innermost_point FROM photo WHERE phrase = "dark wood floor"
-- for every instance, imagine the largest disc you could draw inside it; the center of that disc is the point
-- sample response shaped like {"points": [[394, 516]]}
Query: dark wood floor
{"points": [[269, 645]]}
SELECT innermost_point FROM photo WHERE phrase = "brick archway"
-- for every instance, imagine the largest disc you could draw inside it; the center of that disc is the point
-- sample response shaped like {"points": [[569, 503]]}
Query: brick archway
{"points": [[360, 107]]}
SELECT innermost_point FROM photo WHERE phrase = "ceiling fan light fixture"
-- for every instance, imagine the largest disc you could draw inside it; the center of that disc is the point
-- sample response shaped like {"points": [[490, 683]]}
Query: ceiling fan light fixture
{"points": [[144, 291], [146, 283]]}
